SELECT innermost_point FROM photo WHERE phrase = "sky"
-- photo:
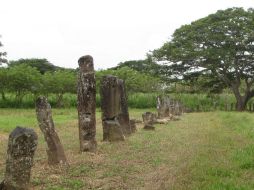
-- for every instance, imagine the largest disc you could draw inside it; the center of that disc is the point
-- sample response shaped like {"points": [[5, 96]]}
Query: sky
{"points": [[112, 31]]}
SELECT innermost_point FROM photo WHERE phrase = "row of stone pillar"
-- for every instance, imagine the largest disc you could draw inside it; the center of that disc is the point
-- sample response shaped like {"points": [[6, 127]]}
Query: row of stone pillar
{"points": [[115, 121], [115, 116], [167, 107]]}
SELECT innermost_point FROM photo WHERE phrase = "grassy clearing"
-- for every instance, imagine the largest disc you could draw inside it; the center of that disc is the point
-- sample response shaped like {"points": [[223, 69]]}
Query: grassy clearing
{"points": [[213, 151]]}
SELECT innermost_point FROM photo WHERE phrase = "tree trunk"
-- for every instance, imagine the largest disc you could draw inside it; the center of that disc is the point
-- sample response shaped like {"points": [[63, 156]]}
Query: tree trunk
{"points": [[241, 101], [240, 105]]}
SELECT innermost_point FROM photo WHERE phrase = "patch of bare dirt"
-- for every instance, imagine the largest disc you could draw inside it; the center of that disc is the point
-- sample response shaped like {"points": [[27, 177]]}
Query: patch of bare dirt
{"points": [[3, 137]]}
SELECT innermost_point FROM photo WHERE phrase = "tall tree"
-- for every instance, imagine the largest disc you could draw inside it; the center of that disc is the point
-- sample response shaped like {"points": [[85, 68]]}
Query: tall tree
{"points": [[59, 83], [23, 79], [2, 55], [221, 44]]}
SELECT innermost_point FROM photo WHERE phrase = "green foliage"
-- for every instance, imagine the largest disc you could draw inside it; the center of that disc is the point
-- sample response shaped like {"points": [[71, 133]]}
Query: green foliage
{"points": [[221, 44], [4, 80], [42, 65], [38, 76], [23, 79], [59, 83], [135, 81], [142, 100]]}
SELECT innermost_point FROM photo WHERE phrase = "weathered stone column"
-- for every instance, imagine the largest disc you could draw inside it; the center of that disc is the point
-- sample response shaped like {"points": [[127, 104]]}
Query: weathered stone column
{"points": [[110, 107], [163, 106], [55, 149], [21, 147], [149, 119], [133, 126], [177, 110], [124, 118], [87, 104]]}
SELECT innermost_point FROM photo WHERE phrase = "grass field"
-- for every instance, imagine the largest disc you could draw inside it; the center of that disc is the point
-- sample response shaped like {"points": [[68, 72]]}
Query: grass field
{"points": [[210, 151]]}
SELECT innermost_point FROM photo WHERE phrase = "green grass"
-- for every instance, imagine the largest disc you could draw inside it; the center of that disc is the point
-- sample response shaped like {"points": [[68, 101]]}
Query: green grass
{"points": [[202, 151], [136, 100]]}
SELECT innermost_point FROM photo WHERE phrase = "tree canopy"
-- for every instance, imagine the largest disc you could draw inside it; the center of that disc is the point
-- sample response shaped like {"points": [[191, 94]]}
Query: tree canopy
{"points": [[42, 65], [221, 44], [135, 81], [147, 66]]}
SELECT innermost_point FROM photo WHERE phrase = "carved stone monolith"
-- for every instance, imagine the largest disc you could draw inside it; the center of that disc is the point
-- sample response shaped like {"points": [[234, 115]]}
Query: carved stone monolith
{"points": [[111, 108], [149, 119], [124, 118], [177, 108], [87, 104], [55, 149], [163, 106], [21, 148]]}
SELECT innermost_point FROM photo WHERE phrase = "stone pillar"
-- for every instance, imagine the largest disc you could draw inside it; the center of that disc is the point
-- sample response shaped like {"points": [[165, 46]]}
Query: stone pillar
{"points": [[124, 118], [21, 148], [149, 119], [86, 95], [110, 107], [163, 106], [177, 108], [133, 126], [55, 149]]}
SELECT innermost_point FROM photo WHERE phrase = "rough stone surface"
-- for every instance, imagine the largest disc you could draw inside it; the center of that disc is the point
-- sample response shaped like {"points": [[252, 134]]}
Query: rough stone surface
{"points": [[133, 125], [149, 119], [177, 108], [111, 108], [124, 118], [55, 149], [21, 148], [86, 93], [112, 131], [163, 106]]}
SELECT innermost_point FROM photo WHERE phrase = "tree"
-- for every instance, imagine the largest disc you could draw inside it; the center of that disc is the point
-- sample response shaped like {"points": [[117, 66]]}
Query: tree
{"points": [[59, 83], [146, 66], [221, 44], [42, 65], [24, 79], [135, 81], [2, 56]]}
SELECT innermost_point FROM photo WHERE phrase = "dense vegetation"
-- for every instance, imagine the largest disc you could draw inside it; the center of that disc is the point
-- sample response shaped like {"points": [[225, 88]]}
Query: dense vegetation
{"points": [[221, 46], [23, 80], [210, 56]]}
